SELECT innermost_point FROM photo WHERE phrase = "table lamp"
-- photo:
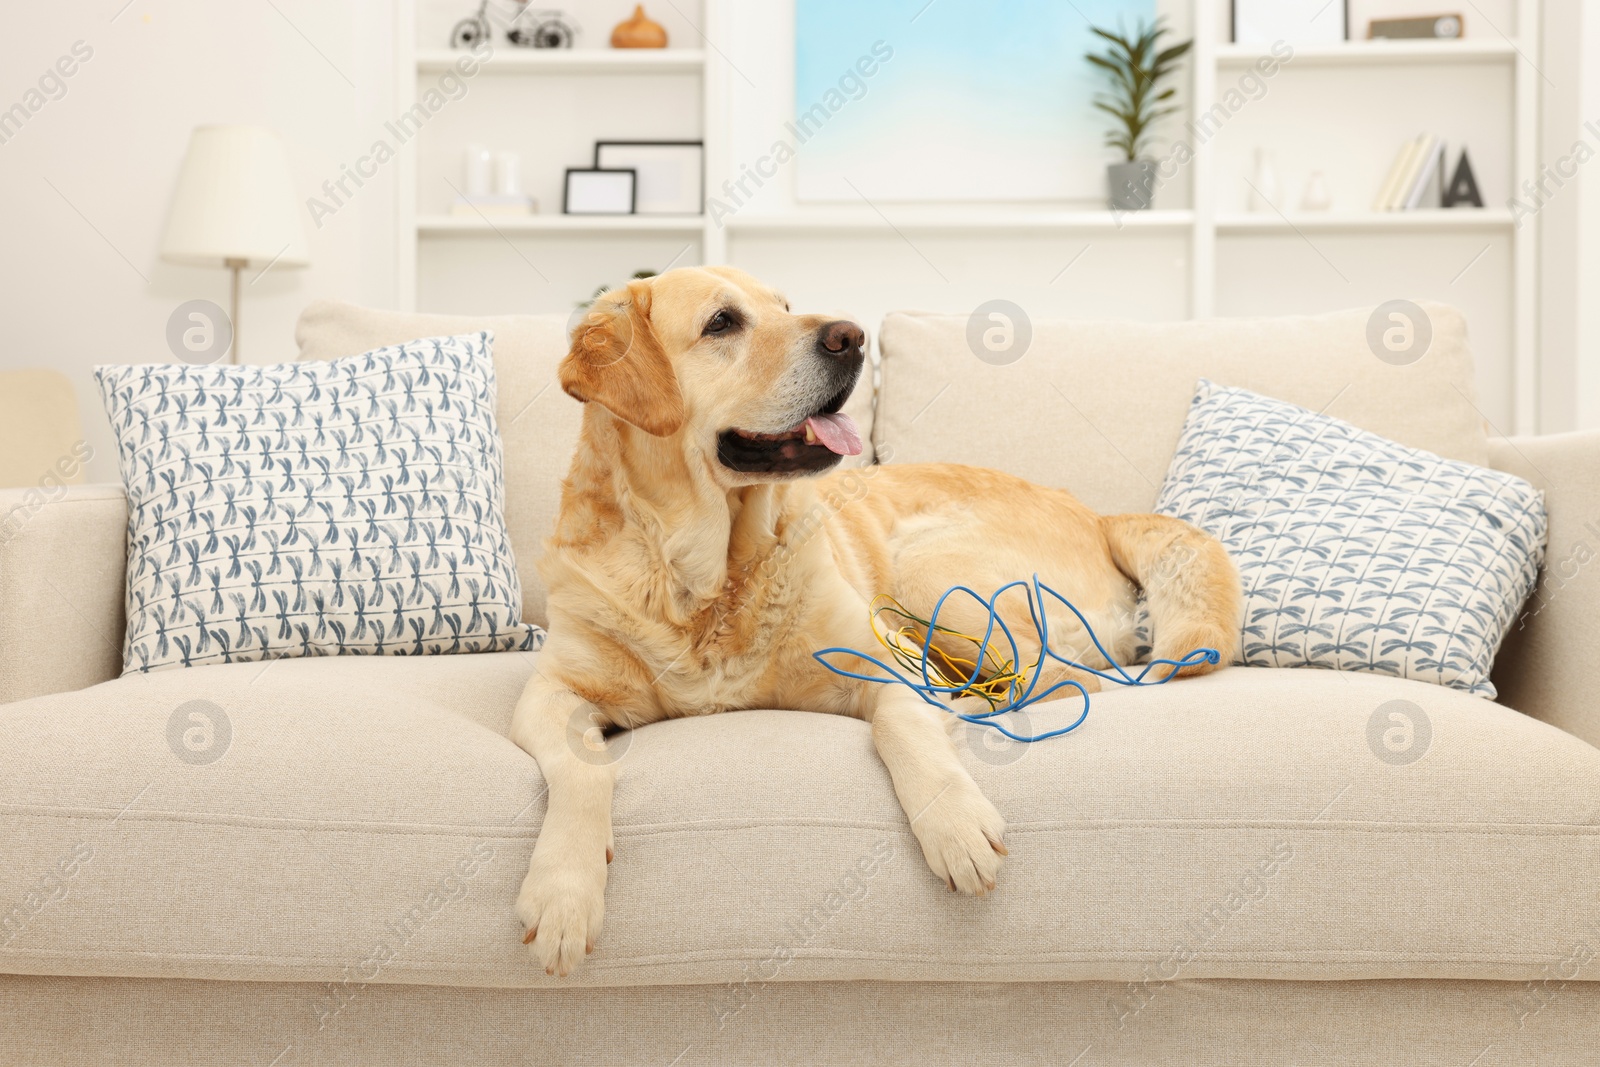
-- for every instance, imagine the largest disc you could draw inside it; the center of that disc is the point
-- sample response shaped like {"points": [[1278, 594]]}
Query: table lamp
{"points": [[235, 205]]}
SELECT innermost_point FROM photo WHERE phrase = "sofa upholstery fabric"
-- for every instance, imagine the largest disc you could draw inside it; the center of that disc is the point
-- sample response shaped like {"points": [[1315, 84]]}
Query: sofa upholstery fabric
{"points": [[1097, 407], [1201, 1023], [368, 822]]}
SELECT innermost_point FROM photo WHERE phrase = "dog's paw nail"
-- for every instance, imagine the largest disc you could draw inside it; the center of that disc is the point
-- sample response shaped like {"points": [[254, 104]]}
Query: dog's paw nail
{"points": [[527, 938], [551, 971], [588, 948], [610, 855], [999, 846], [952, 883]]}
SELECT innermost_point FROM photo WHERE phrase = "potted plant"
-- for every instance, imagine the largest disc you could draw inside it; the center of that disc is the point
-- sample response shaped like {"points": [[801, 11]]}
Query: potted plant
{"points": [[1136, 65]]}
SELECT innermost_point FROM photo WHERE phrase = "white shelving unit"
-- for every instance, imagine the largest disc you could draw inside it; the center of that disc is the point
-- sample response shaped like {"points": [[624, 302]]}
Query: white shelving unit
{"points": [[1215, 61], [1369, 53], [509, 60], [417, 227], [496, 224], [1458, 221], [1206, 225], [956, 220]]}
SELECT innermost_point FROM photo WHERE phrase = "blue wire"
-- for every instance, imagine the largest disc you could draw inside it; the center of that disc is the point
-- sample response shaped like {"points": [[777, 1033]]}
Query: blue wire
{"points": [[927, 689]]}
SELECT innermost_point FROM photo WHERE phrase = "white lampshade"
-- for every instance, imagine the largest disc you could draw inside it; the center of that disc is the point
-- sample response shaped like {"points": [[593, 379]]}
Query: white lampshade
{"points": [[235, 200]]}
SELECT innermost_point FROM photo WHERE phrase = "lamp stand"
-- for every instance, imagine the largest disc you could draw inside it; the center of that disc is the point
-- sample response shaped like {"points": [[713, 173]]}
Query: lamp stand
{"points": [[235, 265]]}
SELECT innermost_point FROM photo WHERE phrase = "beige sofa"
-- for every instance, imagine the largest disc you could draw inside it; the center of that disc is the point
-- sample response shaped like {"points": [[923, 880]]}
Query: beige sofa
{"points": [[1218, 871]]}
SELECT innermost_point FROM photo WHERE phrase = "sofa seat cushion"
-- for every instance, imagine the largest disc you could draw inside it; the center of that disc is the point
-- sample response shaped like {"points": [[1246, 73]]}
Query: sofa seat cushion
{"points": [[353, 820]]}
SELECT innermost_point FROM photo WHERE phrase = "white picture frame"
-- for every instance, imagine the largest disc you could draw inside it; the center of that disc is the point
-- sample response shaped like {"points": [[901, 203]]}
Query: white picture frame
{"points": [[671, 173], [1299, 23], [591, 191]]}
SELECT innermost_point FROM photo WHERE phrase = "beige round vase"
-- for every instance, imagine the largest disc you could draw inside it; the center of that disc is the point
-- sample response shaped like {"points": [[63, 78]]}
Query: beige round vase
{"points": [[639, 32]]}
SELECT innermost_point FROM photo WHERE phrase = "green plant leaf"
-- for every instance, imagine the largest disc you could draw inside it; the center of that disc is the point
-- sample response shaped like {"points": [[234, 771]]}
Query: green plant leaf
{"points": [[1172, 53]]}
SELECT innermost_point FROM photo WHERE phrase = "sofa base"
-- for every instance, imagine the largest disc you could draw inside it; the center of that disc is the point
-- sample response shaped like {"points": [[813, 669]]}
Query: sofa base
{"points": [[1234, 1022]]}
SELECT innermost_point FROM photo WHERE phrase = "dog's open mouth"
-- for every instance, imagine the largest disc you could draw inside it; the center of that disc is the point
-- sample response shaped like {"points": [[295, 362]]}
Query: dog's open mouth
{"points": [[814, 444]]}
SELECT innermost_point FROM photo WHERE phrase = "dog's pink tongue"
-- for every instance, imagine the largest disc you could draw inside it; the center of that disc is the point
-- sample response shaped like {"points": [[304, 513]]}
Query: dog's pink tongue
{"points": [[837, 432]]}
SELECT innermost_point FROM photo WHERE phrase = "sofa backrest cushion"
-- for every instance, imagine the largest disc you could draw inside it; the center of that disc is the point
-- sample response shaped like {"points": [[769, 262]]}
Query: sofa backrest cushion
{"points": [[1096, 407], [538, 422]]}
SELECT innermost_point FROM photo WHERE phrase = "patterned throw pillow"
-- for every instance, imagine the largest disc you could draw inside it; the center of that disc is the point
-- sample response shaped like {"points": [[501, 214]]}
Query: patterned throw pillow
{"points": [[1356, 553], [353, 507]]}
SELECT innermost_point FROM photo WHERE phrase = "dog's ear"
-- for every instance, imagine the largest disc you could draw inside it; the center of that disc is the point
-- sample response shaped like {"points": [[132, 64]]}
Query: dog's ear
{"points": [[617, 362]]}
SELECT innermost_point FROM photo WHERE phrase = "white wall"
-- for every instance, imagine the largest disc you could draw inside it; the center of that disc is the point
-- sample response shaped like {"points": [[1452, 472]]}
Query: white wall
{"points": [[81, 280], [1586, 377]]}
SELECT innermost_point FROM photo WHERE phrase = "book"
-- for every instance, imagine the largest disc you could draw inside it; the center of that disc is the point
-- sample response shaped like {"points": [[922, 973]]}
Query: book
{"points": [[1397, 173], [1408, 178], [1428, 174]]}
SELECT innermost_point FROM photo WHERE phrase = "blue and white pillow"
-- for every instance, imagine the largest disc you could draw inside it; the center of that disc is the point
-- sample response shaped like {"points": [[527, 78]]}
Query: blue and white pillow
{"points": [[348, 507], [1356, 553]]}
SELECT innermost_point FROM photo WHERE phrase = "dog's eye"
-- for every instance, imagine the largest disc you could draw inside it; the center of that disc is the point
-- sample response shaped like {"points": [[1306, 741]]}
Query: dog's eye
{"points": [[721, 322]]}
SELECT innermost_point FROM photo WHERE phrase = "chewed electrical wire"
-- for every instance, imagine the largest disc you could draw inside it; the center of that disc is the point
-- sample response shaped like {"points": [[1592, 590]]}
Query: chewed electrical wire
{"points": [[1001, 681]]}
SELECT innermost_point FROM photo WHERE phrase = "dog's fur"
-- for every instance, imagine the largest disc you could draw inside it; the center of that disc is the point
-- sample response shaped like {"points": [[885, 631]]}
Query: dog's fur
{"points": [[680, 586]]}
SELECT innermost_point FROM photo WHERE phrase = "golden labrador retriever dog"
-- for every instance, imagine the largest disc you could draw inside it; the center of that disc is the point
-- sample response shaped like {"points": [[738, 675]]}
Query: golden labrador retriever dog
{"points": [[701, 555]]}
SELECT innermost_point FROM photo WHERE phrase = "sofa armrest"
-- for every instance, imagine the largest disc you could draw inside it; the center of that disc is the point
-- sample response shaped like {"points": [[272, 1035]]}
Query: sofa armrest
{"points": [[63, 552], [1546, 666]]}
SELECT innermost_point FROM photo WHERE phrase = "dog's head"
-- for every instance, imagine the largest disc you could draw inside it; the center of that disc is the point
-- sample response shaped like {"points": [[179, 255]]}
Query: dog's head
{"points": [[714, 360]]}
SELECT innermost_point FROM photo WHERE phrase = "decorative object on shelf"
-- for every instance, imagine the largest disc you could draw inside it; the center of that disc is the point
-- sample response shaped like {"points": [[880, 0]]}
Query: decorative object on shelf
{"points": [[1417, 171], [1317, 196], [639, 31], [671, 173], [235, 205], [541, 28], [1264, 185], [1463, 187], [1436, 27], [477, 162], [591, 191], [507, 174], [506, 199], [1137, 65], [474, 28], [1293, 22]]}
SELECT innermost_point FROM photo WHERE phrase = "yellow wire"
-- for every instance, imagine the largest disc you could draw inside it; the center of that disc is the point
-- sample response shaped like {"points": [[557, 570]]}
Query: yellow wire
{"points": [[905, 642]]}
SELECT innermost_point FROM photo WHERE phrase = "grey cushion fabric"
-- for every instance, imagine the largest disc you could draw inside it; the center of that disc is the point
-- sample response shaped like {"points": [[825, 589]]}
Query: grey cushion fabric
{"points": [[352, 507], [1356, 553], [1202, 1023], [539, 423], [366, 821], [1097, 407]]}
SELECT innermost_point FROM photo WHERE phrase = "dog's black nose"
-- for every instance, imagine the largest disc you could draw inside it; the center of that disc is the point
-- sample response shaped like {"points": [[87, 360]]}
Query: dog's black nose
{"points": [[842, 338]]}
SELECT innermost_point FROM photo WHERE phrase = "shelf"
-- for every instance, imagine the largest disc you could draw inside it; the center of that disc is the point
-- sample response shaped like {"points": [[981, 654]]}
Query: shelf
{"points": [[958, 221], [1432, 220], [1368, 53], [511, 60], [474, 224]]}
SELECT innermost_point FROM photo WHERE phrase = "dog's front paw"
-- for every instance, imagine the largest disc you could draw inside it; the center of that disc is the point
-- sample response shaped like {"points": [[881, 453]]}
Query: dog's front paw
{"points": [[561, 905], [962, 838]]}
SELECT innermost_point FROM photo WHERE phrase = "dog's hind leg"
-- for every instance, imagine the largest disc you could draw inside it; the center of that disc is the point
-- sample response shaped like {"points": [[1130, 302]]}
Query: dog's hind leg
{"points": [[1189, 582], [562, 902]]}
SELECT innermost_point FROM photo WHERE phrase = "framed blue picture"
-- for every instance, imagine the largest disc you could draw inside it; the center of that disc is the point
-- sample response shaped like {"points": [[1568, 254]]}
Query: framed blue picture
{"points": [[919, 101]]}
